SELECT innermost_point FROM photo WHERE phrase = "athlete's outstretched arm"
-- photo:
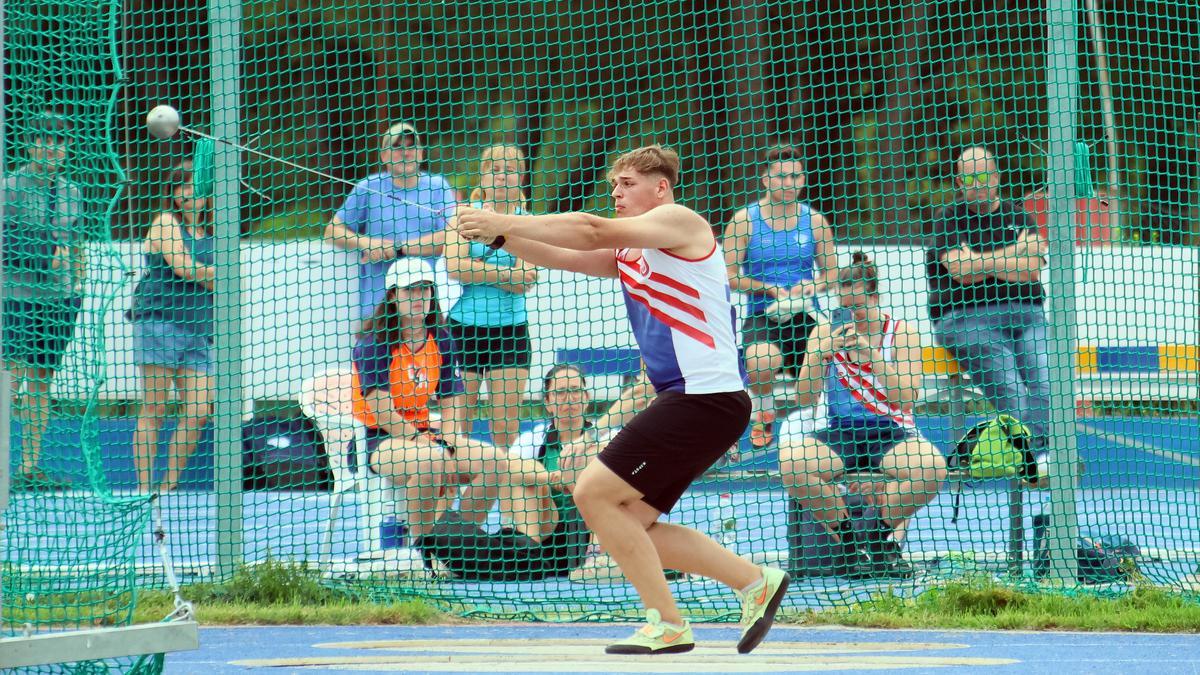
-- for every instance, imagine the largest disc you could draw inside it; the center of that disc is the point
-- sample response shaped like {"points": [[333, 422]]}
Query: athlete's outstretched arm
{"points": [[602, 263], [664, 227]]}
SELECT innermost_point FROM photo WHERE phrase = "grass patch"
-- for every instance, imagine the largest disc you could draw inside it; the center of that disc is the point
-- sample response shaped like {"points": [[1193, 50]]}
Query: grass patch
{"points": [[346, 612], [278, 593], [991, 606], [288, 593]]}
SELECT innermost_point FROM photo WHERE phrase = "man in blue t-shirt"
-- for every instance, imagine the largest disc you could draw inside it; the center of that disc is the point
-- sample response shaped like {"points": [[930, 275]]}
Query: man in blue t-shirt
{"points": [[399, 211]]}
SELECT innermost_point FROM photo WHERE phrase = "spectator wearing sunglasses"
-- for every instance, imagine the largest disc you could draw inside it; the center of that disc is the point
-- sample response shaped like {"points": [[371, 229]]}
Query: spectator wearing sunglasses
{"points": [[985, 292]]}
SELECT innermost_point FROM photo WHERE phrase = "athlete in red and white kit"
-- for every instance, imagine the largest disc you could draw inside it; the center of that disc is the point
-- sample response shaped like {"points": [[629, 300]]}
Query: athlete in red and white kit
{"points": [[676, 290]]}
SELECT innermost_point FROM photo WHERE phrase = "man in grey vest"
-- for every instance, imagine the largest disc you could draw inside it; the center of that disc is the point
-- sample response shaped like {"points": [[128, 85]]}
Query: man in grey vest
{"points": [[43, 264]]}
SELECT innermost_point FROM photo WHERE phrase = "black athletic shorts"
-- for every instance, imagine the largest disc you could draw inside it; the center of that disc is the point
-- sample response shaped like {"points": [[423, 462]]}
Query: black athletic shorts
{"points": [[508, 555], [38, 332], [484, 348], [862, 448], [791, 337], [674, 441]]}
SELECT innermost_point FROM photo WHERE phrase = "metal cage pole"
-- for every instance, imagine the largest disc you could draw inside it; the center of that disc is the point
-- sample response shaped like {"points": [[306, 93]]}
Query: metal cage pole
{"points": [[225, 17], [5, 376], [1062, 91]]}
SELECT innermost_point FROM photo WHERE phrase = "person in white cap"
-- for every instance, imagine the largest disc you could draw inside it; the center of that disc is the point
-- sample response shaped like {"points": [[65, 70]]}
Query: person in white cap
{"points": [[397, 368], [400, 211]]}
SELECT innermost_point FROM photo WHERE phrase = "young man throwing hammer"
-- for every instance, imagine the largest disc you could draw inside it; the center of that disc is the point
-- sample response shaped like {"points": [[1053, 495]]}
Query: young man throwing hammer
{"points": [[677, 294]]}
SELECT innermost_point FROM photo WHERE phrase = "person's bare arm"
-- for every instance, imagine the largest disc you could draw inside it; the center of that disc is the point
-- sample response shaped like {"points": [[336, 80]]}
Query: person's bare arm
{"points": [[671, 227], [164, 239], [429, 245], [735, 242], [461, 266], [902, 376], [341, 236], [379, 402], [601, 263]]}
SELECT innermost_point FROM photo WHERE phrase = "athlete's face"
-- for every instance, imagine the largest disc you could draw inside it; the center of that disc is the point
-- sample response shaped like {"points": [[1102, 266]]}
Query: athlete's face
{"points": [[784, 180], [566, 398], [635, 193]]}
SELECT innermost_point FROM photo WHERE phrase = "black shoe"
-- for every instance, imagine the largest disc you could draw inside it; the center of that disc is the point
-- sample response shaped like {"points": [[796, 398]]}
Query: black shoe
{"points": [[878, 556], [885, 561]]}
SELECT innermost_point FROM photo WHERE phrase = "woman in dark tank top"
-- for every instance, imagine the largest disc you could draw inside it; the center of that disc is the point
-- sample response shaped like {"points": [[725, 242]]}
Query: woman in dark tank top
{"points": [[172, 315]]}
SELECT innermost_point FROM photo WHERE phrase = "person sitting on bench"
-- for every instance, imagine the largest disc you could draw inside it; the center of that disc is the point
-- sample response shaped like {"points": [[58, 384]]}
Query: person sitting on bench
{"points": [[871, 369], [543, 535]]}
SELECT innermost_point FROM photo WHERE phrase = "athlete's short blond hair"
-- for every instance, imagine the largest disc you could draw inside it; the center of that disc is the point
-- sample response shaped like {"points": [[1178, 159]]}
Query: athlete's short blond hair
{"points": [[648, 160]]}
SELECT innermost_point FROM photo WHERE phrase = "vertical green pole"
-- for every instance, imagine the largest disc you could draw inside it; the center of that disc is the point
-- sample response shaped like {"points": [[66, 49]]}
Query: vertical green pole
{"points": [[1062, 89], [5, 376], [225, 26]]}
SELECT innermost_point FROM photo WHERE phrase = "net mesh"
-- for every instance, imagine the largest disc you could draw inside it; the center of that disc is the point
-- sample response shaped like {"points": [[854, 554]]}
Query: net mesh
{"points": [[69, 544], [521, 108]]}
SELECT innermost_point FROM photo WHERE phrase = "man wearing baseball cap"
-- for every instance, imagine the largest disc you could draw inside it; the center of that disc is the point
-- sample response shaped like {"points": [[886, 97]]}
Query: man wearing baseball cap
{"points": [[401, 211], [396, 212]]}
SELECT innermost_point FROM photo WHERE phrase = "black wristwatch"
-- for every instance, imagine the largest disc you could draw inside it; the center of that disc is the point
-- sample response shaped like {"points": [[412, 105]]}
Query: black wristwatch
{"points": [[497, 243]]}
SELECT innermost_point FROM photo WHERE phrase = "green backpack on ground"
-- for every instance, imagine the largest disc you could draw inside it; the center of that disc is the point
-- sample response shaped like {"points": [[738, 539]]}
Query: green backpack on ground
{"points": [[997, 448]]}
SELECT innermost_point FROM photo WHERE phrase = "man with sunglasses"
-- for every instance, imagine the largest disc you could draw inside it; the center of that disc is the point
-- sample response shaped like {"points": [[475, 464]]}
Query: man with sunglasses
{"points": [[986, 296]]}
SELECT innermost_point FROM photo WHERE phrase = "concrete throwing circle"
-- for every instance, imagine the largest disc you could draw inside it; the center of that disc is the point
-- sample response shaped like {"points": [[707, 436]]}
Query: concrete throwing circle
{"points": [[587, 655]]}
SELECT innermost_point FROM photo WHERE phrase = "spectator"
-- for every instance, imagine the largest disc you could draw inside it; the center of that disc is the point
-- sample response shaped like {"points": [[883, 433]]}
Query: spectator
{"points": [[775, 248], [400, 211], [44, 267], [172, 315], [397, 369], [397, 212], [488, 323], [871, 367], [544, 535], [985, 293]]}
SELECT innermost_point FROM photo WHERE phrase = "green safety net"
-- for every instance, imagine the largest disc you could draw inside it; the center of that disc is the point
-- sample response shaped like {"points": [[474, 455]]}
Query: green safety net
{"points": [[223, 342], [70, 542]]}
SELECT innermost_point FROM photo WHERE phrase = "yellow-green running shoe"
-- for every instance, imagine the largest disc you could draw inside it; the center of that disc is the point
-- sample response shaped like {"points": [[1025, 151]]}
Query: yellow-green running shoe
{"points": [[655, 637], [759, 607]]}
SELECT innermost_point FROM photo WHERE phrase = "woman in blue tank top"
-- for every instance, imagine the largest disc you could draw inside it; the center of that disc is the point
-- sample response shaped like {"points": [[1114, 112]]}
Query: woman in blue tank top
{"points": [[488, 323], [775, 248], [172, 315]]}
